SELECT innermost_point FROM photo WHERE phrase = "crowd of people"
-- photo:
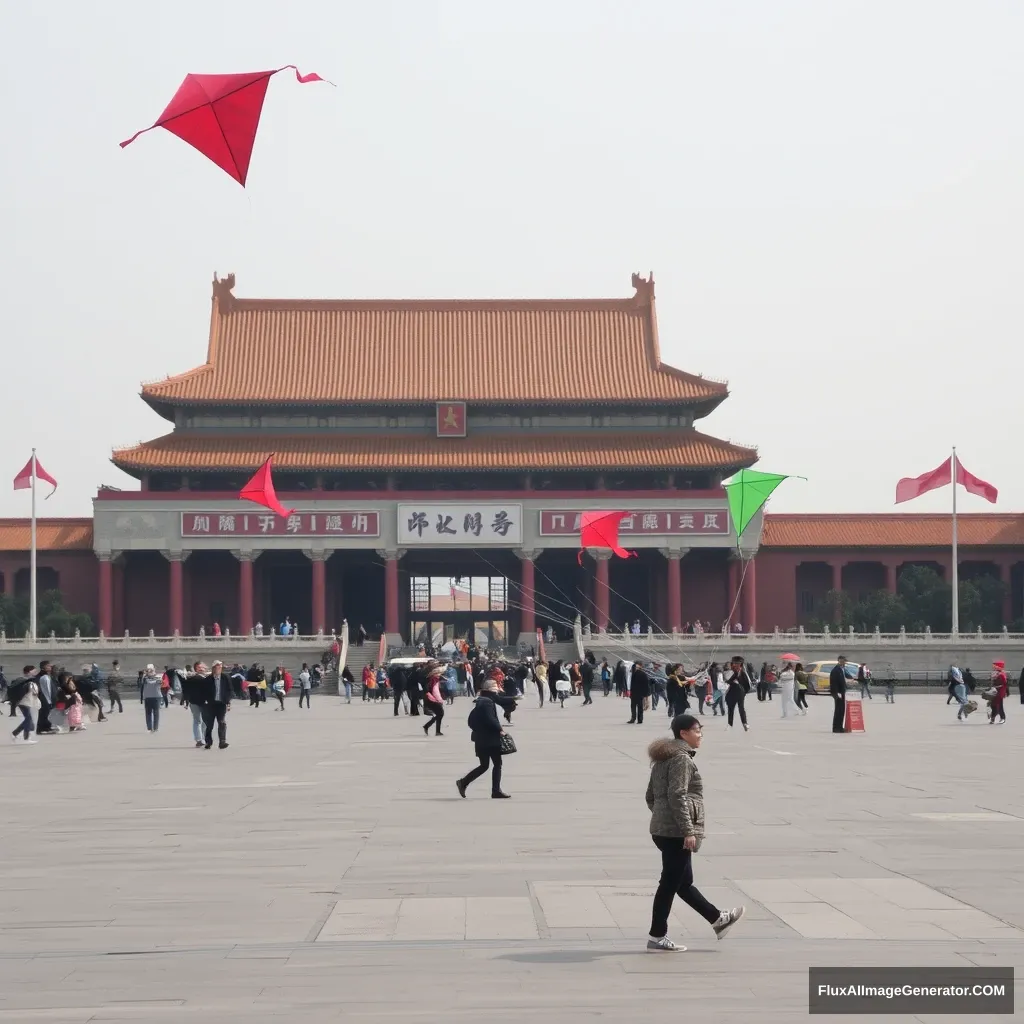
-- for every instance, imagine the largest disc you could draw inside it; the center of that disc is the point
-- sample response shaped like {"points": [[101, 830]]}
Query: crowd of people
{"points": [[51, 699]]}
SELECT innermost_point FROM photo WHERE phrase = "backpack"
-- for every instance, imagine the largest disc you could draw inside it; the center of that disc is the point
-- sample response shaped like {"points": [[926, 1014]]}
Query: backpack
{"points": [[17, 690]]}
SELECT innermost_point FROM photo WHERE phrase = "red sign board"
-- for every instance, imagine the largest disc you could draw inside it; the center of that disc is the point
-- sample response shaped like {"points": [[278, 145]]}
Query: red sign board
{"points": [[655, 522], [451, 419], [854, 716], [266, 524]]}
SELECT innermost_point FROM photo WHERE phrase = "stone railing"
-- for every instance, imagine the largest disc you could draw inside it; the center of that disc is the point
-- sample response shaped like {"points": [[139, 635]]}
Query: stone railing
{"points": [[202, 639], [828, 638]]}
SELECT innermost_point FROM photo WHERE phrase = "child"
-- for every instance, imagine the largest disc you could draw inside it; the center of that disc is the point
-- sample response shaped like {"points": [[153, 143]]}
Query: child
{"points": [[73, 700], [563, 686]]}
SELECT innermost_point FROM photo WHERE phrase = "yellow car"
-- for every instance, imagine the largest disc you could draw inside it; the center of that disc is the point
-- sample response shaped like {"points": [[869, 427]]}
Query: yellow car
{"points": [[819, 671]]}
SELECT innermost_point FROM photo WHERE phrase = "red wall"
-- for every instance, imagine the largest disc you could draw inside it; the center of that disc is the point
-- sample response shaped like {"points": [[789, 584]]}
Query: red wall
{"points": [[78, 573]]}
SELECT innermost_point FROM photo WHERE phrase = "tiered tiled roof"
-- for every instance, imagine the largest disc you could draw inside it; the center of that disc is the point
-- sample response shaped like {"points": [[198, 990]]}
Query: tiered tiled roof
{"points": [[892, 530], [418, 351], [593, 451], [51, 534]]}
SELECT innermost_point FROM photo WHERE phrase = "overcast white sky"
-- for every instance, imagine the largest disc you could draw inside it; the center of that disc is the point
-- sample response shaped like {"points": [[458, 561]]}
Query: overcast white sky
{"points": [[829, 194]]}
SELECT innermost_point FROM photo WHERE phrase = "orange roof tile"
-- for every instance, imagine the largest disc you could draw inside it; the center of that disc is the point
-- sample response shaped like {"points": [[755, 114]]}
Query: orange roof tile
{"points": [[416, 351], [892, 530], [676, 449], [51, 534]]}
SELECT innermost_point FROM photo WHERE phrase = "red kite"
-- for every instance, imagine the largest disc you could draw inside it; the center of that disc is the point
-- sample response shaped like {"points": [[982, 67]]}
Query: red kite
{"points": [[260, 489], [601, 530], [219, 115]]}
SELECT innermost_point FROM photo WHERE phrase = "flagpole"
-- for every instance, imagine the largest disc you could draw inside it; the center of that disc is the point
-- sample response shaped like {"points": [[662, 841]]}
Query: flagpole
{"points": [[955, 575], [32, 558]]}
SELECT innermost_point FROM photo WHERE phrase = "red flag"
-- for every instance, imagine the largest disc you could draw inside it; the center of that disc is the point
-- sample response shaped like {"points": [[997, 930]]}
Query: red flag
{"points": [[601, 530], [914, 487], [24, 479], [975, 484], [260, 489]]}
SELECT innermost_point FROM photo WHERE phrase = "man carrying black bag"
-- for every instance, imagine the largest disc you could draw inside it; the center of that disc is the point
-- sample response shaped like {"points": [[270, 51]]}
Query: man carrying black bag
{"points": [[488, 738]]}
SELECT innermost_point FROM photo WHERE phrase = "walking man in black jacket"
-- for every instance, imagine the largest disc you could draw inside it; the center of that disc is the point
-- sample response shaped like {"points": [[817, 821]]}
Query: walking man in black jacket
{"points": [[486, 736], [218, 703], [587, 676], [837, 687], [639, 691]]}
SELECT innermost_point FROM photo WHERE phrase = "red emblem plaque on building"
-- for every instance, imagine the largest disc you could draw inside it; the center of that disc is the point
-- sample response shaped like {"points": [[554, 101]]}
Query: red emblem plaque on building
{"points": [[451, 419]]}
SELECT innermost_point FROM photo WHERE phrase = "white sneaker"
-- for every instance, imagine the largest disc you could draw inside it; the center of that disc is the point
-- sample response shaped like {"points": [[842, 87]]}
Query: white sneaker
{"points": [[663, 945], [727, 920], [31, 741]]}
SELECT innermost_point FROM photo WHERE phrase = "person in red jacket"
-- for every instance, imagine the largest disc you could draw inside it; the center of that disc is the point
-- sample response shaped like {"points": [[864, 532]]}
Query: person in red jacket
{"points": [[1001, 688]]}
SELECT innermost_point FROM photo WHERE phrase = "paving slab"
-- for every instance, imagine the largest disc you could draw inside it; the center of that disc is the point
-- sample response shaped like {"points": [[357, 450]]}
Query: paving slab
{"points": [[324, 867]]}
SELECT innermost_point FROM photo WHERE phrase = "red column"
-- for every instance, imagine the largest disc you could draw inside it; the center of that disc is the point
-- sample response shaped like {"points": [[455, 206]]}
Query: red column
{"points": [[675, 593], [528, 621], [837, 586], [391, 594], [118, 625], [601, 591], [244, 593], [106, 606], [1006, 578], [750, 598], [890, 577], [734, 611], [176, 602], [319, 593]]}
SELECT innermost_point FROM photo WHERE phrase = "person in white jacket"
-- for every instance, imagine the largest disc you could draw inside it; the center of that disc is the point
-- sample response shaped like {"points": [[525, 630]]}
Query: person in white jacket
{"points": [[787, 684]]}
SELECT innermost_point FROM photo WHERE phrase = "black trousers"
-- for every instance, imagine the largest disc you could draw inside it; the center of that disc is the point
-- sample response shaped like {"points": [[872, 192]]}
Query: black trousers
{"points": [[636, 708], [436, 712], [676, 880], [801, 698], [304, 695], [43, 718], [214, 712], [398, 700], [839, 713], [587, 699], [733, 701], [115, 698], [487, 758]]}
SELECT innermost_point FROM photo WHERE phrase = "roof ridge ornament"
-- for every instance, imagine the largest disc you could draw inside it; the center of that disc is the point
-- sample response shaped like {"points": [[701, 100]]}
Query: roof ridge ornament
{"points": [[222, 292], [644, 289]]}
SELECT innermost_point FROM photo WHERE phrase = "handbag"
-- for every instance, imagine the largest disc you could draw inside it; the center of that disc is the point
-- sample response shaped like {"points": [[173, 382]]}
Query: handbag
{"points": [[508, 745]]}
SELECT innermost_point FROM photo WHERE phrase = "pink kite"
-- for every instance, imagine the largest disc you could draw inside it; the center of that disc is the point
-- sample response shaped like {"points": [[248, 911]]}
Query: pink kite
{"points": [[601, 530], [219, 115], [260, 489]]}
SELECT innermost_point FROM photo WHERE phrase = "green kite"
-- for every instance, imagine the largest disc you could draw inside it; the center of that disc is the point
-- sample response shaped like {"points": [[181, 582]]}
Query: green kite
{"points": [[747, 491]]}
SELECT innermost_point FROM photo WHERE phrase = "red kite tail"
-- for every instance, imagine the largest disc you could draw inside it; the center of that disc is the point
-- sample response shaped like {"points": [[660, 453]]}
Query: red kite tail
{"points": [[142, 131], [305, 79]]}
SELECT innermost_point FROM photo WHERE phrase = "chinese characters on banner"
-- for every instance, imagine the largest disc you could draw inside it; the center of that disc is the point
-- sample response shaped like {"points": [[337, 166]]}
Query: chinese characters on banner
{"points": [[266, 524], [704, 522], [434, 525]]}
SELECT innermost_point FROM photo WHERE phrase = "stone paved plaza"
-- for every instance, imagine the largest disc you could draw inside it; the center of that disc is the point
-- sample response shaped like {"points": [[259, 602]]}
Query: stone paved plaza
{"points": [[324, 868]]}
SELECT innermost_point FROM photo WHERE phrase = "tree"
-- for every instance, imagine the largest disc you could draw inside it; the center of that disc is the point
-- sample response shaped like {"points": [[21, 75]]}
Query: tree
{"points": [[981, 604], [51, 616], [928, 599]]}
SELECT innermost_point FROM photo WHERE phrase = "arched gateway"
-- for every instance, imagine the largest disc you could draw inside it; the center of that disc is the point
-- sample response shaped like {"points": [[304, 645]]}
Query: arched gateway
{"points": [[437, 454]]}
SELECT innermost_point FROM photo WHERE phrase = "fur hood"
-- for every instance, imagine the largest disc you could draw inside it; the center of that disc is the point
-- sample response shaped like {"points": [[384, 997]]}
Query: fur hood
{"points": [[664, 749]]}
